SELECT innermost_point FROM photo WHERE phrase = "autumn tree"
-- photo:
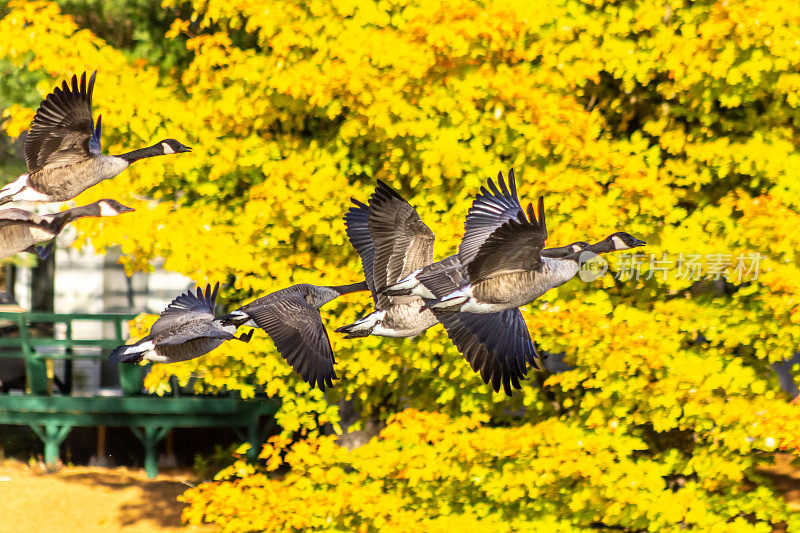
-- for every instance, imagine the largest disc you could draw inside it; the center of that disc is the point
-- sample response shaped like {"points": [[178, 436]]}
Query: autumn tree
{"points": [[675, 121]]}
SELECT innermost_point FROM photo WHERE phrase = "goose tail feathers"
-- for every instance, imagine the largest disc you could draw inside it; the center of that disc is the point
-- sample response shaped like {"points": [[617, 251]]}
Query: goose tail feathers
{"points": [[131, 353], [363, 326], [237, 318]]}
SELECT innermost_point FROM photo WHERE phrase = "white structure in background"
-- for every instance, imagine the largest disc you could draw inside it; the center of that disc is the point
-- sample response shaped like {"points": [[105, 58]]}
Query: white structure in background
{"points": [[86, 282]]}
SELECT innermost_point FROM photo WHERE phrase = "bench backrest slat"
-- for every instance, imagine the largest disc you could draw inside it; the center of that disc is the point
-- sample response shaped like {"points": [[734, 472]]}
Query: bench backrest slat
{"points": [[36, 351]]}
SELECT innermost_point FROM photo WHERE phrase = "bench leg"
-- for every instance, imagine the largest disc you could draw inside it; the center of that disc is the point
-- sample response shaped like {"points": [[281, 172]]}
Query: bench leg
{"points": [[149, 436], [35, 376], [254, 438], [52, 435], [256, 435]]}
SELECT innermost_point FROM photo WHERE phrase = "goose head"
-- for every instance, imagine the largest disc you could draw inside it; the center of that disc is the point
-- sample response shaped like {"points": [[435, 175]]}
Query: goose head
{"points": [[569, 251], [624, 241], [109, 208], [616, 242], [171, 146]]}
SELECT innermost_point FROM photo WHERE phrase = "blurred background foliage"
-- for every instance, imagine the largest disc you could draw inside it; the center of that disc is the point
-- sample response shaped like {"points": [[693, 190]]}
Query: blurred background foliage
{"points": [[673, 120]]}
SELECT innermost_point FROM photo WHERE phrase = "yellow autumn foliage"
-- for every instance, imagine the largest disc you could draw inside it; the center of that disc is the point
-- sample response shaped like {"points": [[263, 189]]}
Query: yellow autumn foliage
{"points": [[674, 120], [428, 472]]}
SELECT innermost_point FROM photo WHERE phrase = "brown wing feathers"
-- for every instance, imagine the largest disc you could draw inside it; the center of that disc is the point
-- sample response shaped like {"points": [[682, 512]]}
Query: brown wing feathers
{"points": [[514, 246], [402, 241], [296, 329], [62, 128]]}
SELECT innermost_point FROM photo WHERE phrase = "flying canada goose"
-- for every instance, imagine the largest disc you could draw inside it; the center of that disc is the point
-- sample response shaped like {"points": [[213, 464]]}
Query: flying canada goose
{"points": [[62, 149], [291, 318], [392, 241], [185, 330], [22, 230], [502, 254]]}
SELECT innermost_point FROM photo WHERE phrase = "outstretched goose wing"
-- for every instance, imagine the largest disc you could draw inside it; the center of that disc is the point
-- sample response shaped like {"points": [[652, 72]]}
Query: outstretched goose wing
{"points": [[62, 132], [356, 222], [497, 345], [296, 328], [492, 208], [403, 243], [513, 247], [187, 308]]}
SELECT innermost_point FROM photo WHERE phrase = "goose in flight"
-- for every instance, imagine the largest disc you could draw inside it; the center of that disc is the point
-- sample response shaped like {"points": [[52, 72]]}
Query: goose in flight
{"points": [[447, 275], [291, 318], [185, 330], [392, 242], [62, 149], [501, 253], [22, 230]]}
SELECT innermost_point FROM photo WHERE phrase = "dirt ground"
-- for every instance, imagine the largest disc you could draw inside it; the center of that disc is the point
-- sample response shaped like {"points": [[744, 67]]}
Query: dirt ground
{"points": [[786, 478], [90, 499]]}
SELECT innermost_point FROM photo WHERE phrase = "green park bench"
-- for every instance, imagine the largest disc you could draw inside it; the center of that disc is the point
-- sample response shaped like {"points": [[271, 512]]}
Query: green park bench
{"points": [[52, 414]]}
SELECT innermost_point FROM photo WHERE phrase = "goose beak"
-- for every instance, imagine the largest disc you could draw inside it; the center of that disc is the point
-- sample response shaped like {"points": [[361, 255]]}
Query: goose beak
{"points": [[184, 148], [637, 242], [126, 209]]}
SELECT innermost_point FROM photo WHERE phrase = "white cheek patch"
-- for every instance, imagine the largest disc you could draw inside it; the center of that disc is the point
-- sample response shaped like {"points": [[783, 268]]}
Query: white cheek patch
{"points": [[576, 248], [618, 244], [107, 211], [167, 149]]}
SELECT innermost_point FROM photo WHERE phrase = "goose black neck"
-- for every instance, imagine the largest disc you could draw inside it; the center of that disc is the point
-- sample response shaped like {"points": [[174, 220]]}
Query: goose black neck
{"points": [[352, 287], [604, 246], [71, 215], [143, 153], [558, 252]]}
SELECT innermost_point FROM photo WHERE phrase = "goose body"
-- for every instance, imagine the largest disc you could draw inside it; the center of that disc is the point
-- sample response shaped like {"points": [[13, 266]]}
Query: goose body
{"points": [[158, 352], [62, 149], [399, 320], [22, 230], [503, 254], [512, 290], [291, 318], [186, 329]]}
